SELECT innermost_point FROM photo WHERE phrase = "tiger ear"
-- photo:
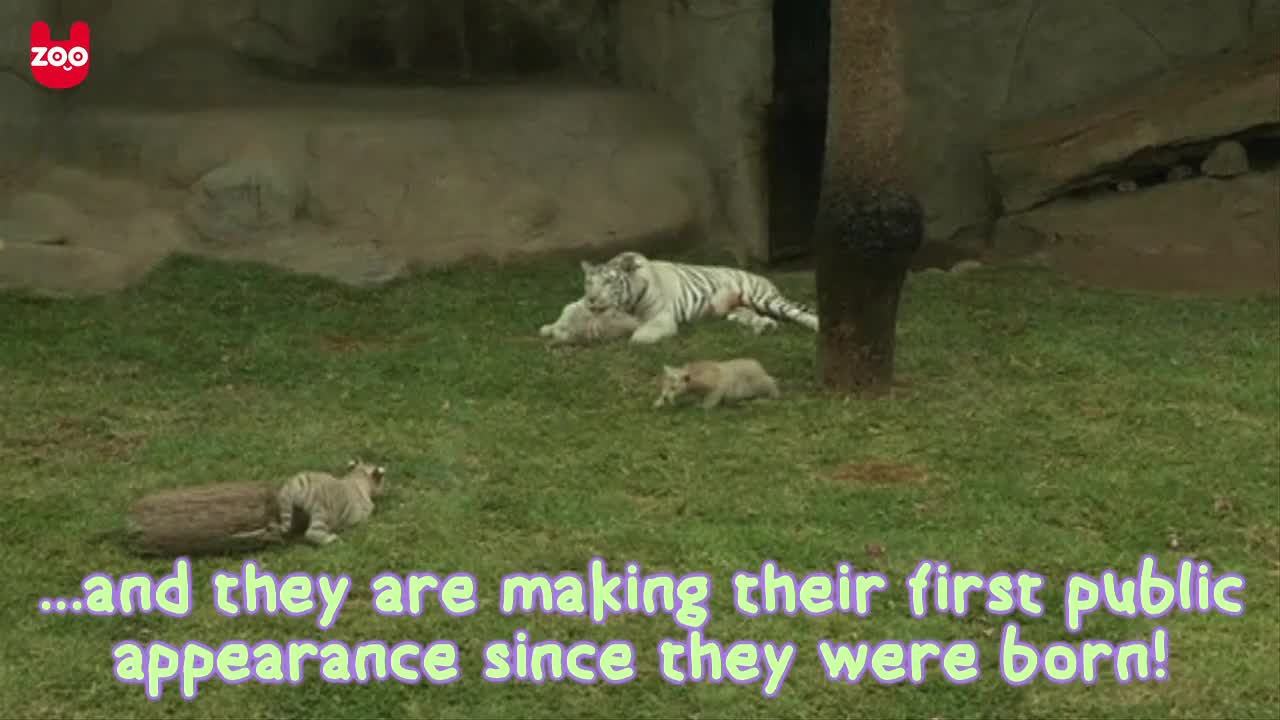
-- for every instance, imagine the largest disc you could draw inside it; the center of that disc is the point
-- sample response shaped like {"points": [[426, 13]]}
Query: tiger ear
{"points": [[628, 264], [352, 463], [379, 472], [586, 266]]}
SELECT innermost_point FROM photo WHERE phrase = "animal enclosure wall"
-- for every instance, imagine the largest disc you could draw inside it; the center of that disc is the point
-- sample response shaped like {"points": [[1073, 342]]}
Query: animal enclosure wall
{"points": [[356, 139], [982, 69], [379, 134]]}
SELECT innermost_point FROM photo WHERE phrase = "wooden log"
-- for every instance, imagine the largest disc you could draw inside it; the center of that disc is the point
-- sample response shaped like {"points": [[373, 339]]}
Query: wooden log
{"points": [[208, 519], [1051, 156]]}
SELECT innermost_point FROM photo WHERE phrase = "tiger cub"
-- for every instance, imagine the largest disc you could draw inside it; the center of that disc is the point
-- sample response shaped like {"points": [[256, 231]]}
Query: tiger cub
{"points": [[737, 379], [579, 325], [332, 503]]}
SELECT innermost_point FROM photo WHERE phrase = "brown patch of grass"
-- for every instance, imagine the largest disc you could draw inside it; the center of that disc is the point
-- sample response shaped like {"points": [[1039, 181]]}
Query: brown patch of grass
{"points": [[348, 343], [73, 436], [1265, 541], [343, 343], [875, 473], [666, 506]]}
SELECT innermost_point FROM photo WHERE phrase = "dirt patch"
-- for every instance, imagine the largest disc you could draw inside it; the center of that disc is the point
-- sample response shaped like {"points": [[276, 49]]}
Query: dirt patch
{"points": [[342, 343], [875, 474], [1218, 274], [347, 343], [73, 436], [1264, 541]]}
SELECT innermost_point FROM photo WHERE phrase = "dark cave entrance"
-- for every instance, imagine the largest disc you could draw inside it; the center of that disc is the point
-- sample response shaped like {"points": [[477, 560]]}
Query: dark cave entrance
{"points": [[797, 124]]}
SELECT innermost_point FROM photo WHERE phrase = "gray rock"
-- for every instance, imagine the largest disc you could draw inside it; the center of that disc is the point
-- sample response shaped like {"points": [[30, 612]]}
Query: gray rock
{"points": [[67, 270], [1240, 214], [235, 204], [17, 231], [1266, 15], [44, 218], [25, 111], [1046, 158], [1228, 159]]}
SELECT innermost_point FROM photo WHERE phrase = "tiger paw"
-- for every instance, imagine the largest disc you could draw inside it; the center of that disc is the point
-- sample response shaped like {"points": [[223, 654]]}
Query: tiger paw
{"points": [[764, 325]]}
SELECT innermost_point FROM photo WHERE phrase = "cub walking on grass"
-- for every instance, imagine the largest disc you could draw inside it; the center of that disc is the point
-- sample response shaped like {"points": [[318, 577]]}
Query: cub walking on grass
{"points": [[332, 503], [717, 381]]}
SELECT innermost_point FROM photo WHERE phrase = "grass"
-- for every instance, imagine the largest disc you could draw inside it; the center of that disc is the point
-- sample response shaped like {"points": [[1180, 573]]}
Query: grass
{"points": [[1036, 427]]}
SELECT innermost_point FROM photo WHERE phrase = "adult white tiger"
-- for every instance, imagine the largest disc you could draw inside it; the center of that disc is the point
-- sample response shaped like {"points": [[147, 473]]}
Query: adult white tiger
{"points": [[664, 295]]}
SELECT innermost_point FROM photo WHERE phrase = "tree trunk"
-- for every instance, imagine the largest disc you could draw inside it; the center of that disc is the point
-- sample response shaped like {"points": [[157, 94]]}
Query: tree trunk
{"points": [[869, 224]]}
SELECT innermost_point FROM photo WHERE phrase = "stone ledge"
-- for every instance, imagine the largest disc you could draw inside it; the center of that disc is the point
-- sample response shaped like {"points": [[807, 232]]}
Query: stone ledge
{"points": [[1063, 152]]}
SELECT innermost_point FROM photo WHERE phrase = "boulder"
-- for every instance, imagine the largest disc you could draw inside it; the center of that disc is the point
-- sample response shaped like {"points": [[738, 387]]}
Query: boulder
{"points": [[1238, 216], [236, 203], [1062, 152], [43, 218], [68, 270], [1228, 159]]}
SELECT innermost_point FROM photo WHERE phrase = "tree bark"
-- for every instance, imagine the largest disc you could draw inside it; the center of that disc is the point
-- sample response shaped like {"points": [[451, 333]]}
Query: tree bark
{"points": [[207, 519], [869, 224]]}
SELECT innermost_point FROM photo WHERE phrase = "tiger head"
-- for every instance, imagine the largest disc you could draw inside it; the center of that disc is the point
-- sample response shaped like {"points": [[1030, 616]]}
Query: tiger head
{"points": [[675, 383], [614, 285], [374, 476]]}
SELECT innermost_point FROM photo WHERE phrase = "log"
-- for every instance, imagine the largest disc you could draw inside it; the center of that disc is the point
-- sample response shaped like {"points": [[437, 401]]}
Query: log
{"points": [[207, 519], [1063, 151]]}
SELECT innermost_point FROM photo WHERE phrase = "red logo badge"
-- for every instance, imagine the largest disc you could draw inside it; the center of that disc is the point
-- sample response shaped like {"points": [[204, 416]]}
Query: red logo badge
{"points": [[60, 64]]}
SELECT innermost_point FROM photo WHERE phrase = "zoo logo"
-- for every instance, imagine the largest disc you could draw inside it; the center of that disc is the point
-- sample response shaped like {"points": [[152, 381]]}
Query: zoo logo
{"points": [[60, 64]]}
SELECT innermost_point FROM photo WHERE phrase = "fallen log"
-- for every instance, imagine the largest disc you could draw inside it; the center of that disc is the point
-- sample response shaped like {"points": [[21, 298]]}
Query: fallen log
{"points": [[1069, 150], [207, 519]]}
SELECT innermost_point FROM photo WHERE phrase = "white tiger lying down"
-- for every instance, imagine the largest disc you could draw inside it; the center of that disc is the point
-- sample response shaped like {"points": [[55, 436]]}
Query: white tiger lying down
{"points": [[664, 295], [578, 325], [332, 503]]}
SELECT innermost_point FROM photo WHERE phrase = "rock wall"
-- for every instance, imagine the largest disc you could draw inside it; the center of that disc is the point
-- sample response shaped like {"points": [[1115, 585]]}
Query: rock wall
{"points": [[349, 138], [715, 58], [975, 66], [678, 91], [436, 40], [24, 107]]}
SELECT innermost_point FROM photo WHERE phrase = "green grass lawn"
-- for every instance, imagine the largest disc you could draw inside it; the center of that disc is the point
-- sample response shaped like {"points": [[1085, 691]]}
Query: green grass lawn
{"points": [[1035, 427]]}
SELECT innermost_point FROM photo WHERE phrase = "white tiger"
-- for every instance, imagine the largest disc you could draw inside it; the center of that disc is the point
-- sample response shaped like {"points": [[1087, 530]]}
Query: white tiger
{"points": [[663, 295], [577, 324], [332, 503]]}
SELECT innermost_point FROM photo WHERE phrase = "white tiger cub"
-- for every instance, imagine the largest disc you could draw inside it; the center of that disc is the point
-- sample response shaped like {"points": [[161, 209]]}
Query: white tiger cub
{"points": [[332, 503], [663, 295], [577, 324], [717, 381]]}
